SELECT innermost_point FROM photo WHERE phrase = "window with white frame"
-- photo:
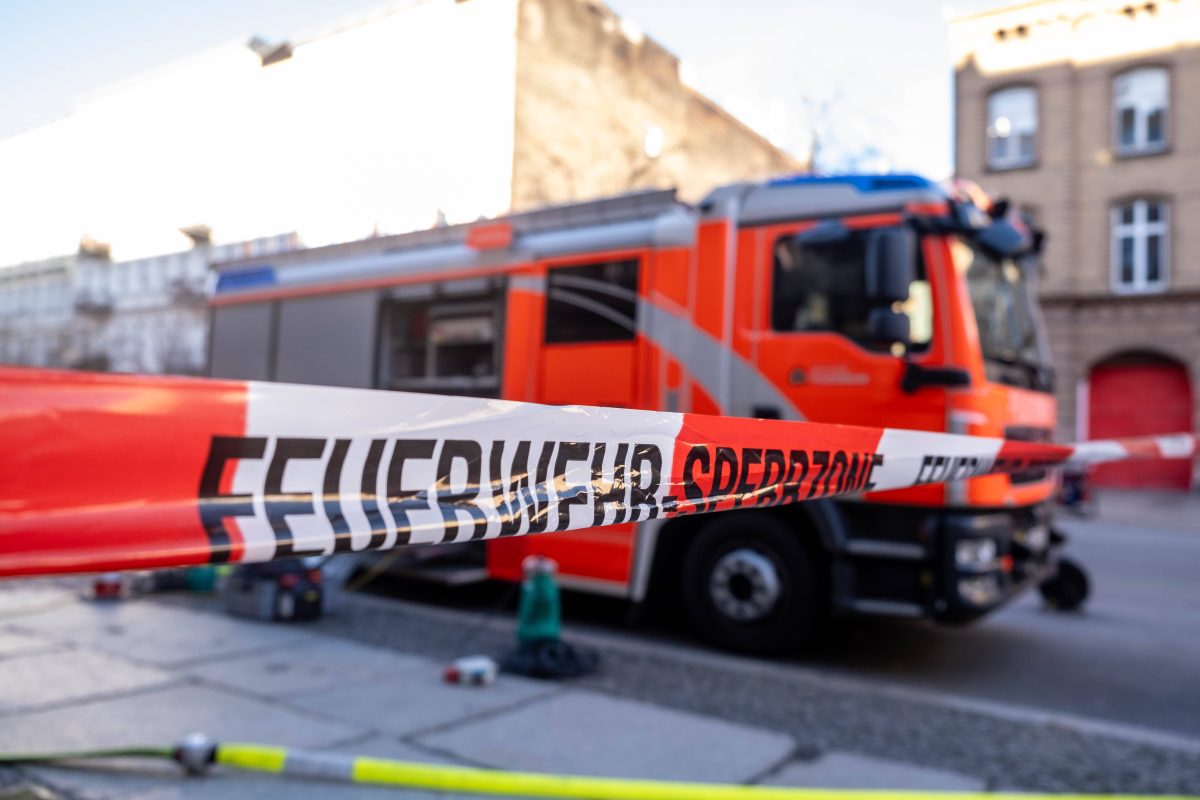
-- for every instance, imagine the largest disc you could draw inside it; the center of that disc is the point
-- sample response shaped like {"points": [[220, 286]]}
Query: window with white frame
{"points": [[1140, 101], [1140, 246], [1012, 127]]}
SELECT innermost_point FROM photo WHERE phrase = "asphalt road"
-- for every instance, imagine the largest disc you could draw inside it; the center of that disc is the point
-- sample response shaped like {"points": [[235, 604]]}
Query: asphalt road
{"points": [[1131, 657]]}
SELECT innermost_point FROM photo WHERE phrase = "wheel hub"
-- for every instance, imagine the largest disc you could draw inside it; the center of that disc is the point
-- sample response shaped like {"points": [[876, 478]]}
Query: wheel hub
{"points": [[744, 585]]}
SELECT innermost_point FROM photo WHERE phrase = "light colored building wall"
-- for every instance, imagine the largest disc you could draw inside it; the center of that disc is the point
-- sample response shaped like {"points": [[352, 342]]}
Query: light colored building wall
{"points": [[36, 308], [150, 315], [374, 124], [146, 315], [1046, 188], [1071, 51], [1105, 178], [601, 110]]}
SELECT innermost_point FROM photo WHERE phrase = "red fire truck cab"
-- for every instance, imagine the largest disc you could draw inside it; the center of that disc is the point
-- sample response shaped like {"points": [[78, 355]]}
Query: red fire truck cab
{"points": [[880, 300]]}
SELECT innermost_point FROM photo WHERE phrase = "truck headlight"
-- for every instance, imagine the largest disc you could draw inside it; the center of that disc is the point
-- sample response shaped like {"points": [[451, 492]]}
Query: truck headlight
{"points": [[975, 553], [1035, 538]]}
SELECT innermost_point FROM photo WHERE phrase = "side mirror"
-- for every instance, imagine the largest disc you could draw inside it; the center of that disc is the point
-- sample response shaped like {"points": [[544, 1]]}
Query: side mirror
{"points": [[891, 265], [888, 326], [1003, 239]]}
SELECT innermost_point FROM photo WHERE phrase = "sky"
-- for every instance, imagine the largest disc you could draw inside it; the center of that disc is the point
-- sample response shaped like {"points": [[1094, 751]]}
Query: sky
{"points": [[872, 78]]}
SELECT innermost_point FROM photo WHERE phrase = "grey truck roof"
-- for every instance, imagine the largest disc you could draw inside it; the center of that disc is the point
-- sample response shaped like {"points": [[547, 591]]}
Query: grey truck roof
{"points": [[641, 219]]}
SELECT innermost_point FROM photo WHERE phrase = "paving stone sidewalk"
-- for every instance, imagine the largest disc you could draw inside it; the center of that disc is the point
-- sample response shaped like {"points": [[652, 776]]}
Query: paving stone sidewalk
{"points": [[76, 675]]}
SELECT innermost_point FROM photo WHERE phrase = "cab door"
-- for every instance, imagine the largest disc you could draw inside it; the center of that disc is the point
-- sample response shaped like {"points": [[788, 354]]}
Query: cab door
{"points": [[814, 332], [588, 354]]}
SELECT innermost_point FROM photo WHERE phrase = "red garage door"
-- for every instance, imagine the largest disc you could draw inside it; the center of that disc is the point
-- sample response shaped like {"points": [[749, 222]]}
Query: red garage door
{"points": [[1135, 398]]}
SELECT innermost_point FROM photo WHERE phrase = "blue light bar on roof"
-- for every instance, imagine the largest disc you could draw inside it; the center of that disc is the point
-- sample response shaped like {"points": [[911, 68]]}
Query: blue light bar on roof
{"points": [[237, 280], [862, 183]]}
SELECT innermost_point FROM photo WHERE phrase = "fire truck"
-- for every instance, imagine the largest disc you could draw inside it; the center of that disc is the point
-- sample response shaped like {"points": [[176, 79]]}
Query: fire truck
{"points": [[881, 300]]}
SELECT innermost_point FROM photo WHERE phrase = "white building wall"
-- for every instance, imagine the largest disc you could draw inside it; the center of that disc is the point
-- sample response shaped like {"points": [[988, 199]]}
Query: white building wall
{"points": [[378, 124], [146, 315], [149, 315], [36, 307]]}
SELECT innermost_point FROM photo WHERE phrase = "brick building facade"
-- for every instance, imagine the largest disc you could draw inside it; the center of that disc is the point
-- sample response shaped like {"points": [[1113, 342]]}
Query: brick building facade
{"points": [[1085, 113], [601, 110]]}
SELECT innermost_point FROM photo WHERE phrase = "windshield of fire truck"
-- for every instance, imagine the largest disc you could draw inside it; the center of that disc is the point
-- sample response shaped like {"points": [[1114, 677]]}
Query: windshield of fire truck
{"points": [[1011, 331]]}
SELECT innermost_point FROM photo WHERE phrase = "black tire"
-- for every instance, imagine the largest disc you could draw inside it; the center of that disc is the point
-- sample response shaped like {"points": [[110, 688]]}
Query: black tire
{"points": [[1068, 590], [793, 616]]}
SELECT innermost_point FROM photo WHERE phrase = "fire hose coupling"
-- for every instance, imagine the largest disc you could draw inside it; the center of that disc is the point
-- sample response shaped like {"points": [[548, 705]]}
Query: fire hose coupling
{"points": [[195, 753]]}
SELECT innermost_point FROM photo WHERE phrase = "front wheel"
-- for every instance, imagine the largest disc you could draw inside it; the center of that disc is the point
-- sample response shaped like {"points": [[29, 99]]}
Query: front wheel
{"points": [[749, 584], [1068, 589]]}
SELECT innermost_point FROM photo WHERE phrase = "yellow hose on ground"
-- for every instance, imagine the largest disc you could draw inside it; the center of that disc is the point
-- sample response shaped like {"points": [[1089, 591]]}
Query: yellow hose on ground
{"points": [[448, 778]]}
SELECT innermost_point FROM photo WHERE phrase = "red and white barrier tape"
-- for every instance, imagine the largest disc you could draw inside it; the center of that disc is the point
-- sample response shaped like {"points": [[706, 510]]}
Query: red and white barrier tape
{"points": [[103, 472]]}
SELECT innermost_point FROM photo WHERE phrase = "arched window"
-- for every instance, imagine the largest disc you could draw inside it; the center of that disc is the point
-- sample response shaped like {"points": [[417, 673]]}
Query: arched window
{"points": [[1140, 100], [1140, 239], [1012, 127]]}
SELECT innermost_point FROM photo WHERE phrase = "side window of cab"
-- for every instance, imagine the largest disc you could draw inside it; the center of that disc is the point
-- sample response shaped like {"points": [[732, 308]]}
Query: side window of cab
{"points": [[820, 283], [592, 303]]}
